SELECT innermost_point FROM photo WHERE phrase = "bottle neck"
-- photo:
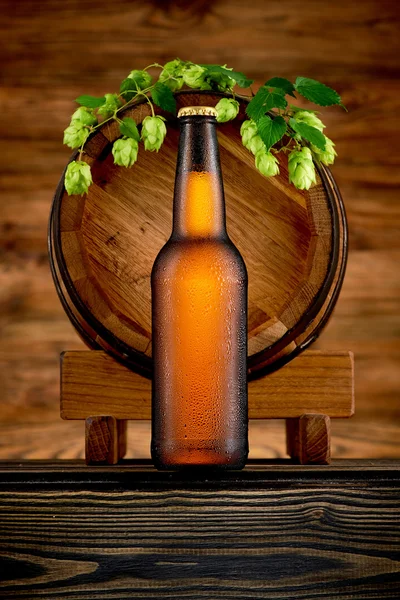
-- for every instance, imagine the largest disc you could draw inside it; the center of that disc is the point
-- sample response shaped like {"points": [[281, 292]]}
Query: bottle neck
{"points": [[199, 204]]}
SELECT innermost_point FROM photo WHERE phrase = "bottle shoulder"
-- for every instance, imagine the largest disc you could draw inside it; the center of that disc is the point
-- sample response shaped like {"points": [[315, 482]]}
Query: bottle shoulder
{"points": [[188, 255]]}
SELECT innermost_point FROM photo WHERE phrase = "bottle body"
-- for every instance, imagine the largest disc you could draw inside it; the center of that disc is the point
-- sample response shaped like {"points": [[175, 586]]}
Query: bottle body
{"points": [[199, 325]]}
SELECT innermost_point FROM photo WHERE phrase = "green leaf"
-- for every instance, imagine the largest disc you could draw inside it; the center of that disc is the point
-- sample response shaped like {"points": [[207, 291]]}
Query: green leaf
{"points": [[264, 100], [129, 129], [311, 134], [240, 78], [90, 101], [163, 97], [281, 83], [271, 130], [316, 92]]}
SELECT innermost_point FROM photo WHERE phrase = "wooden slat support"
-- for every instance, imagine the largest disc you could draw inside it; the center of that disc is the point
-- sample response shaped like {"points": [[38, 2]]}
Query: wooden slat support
{"points": [[307, 392], [308, 439], [93, 383]]}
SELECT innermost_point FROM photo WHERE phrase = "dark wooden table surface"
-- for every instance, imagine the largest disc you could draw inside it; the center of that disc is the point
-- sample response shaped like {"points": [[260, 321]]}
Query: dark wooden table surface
{"points": [[275, 531], [51, 52]]}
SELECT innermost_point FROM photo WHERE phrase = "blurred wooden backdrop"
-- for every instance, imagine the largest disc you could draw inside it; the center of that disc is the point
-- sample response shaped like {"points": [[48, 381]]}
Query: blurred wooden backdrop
{"points": [[53, 51]]}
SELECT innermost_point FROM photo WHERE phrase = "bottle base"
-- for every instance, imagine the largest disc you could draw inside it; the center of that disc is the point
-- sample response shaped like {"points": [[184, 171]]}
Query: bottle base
{"points": [[195, 454]]}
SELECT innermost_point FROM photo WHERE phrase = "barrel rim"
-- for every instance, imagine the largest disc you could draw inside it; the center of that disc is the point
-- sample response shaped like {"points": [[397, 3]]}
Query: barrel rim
{"points": [[142, 363]]}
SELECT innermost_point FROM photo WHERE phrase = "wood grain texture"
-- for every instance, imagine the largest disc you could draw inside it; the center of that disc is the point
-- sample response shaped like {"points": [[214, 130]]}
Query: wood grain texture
{"points": [[308, 439], [93, 383], [53, 54], [101, 440], [103, 244], [279, 532]]}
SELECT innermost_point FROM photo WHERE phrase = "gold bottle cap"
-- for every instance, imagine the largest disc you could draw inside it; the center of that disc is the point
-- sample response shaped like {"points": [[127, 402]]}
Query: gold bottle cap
{"points": [[208, 111]]}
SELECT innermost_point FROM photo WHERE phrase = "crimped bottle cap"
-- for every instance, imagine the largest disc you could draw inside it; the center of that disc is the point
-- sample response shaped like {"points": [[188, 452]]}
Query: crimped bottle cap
{"points": [[188, 111]]}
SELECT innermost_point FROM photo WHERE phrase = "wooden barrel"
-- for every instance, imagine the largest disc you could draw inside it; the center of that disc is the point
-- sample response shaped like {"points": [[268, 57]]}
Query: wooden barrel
{"points": [[102, 245]]}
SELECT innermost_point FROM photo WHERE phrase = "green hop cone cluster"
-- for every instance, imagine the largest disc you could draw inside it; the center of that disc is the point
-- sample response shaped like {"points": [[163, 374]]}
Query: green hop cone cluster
{"points": [[153, 133], [309, 118], [78, 177], [267, 163], [109, 107], [250, 137], [75, 134], [227, 109], [327, 156], [172, 74], [301, 168], [142, 79], [125, 151]]}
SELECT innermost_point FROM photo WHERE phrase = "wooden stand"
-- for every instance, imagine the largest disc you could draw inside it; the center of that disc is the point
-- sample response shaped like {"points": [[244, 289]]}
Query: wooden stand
{"points": [[307, 392]]}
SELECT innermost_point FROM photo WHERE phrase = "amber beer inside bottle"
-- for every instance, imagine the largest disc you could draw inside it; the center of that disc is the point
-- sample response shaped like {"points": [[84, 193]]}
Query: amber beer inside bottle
{"points": [[199, 317]]}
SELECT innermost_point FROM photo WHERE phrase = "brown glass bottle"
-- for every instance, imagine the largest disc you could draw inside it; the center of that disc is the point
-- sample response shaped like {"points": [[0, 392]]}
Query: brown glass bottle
{"points": [[199, 317]]}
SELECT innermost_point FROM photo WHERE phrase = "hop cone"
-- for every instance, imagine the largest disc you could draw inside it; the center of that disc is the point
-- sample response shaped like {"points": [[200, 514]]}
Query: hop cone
{"points": [[227, 109], [78, 177], [327, 156], [111, 104], [172, 74], [309, 118], [125, 151], [141, 78], [84, 115], [301, 168], [193, 76], [75, 134], [153, 133], [250, 138], [267, 163]]}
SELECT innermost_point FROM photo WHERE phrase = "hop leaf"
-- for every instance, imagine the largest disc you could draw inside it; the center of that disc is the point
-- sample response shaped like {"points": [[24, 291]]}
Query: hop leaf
{"points": [[193, 76], [75, 135], [327, 156], [163, 97], [281, 83], [125, 151], [271, 130], [109, 107], [267, 163], [153, 133], [90, 101], [301, 168], [78, 177], [311, 134], [84, 115], [250, 138], [172, 74], [316, 92], [265, 99], [227, 109], [309, 118], [129, 129]]}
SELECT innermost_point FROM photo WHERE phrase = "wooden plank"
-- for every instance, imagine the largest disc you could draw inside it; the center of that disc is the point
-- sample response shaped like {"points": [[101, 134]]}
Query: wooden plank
{"points": [[267, 532], [93, 383]]}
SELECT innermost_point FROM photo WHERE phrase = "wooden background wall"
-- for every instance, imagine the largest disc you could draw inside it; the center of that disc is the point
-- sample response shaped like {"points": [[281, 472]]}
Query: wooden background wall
{"points": [[53, 51]]}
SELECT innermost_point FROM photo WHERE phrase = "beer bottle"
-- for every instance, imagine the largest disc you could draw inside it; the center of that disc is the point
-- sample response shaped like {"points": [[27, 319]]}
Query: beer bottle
{"points": [[199, 317]]}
